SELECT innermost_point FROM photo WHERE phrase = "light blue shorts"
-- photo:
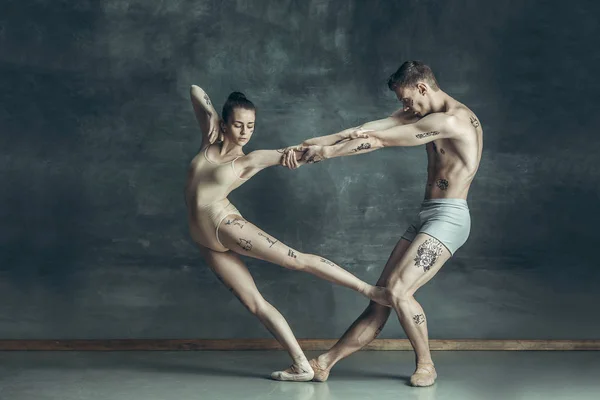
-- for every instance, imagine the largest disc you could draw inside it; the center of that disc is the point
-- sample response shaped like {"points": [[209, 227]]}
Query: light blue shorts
{"points": [[447, 220]]}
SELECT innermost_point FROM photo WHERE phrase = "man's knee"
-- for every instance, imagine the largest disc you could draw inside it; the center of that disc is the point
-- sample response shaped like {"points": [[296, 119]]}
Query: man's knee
{"points": [[399, 294]]}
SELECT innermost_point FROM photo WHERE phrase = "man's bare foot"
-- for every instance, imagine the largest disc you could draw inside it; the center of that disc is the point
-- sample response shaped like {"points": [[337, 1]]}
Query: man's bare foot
{"points": [[379, 295], [424, 375], [301, 372], [321, 374]]}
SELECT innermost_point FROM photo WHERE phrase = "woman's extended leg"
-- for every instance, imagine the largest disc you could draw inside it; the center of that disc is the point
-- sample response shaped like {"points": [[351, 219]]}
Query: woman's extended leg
{"points": [[235, 276], [247, 239]]}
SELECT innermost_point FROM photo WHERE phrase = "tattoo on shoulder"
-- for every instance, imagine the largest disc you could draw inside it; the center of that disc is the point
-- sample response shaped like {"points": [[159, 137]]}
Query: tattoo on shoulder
{"points": [[207, 99], [426, 134], [442, 184], [327, 262], [245, 244], [428, 253], [363, 146], [474, 122], [419, 319]]}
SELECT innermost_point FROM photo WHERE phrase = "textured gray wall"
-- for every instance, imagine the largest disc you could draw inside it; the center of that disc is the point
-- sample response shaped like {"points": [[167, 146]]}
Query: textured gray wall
{"points": [[97, 130]]}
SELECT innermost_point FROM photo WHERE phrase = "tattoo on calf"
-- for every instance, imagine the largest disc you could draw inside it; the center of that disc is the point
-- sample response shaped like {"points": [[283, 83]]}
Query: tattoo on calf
{"points": [[419, 319], [474, 122], [426, 134], [291, 253], [363, 146], [245, 244], [207, 99], [271, 241], [442, 184], [327, 262], [428, 253]]}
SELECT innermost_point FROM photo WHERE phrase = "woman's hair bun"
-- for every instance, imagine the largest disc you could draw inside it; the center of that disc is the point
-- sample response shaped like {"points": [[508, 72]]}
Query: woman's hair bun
{"points": [[236, 96]]}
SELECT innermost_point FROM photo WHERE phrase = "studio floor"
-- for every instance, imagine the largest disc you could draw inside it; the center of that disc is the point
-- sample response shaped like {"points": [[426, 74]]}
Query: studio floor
{"points": [[227, 375]]}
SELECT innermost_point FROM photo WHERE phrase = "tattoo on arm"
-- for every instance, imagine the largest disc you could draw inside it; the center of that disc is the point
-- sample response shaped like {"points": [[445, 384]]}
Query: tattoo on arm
{"points": [[327, 262], [281, 151], [239, 222], [428, 253], [207, 99], [312, 160], [474, 122], [271, 241], [363, 146], [426, 134], [419, 319], [245, 244], [291, 253], [442, 184]]}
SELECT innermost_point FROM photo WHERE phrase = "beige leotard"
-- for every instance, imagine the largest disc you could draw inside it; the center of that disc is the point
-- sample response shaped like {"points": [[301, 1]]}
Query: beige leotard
{"points": [[209, 184]]}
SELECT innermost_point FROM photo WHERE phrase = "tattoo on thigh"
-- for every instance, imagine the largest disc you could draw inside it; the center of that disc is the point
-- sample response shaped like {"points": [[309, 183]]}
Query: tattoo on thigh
{"points": [[271, 241], [428, 253], [245, 244], [291, 253], [363, 146], [419, 319], [327, 262], [207, 99], [474, 122], [442, 184], [235, 221], [426, 134]]}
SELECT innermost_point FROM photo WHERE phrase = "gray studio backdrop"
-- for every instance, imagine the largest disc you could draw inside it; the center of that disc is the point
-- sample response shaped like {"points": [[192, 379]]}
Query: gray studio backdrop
{"points": [[97, 131]]}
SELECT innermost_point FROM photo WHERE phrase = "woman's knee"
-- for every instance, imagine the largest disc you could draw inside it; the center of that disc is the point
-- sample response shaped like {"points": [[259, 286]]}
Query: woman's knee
{"points": [[254, 303], [297, 261]]}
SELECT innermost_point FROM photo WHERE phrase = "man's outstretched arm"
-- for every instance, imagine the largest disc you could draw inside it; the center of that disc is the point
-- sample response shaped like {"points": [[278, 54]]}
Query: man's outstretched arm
{"points": [[348, 134], [427, 129]]}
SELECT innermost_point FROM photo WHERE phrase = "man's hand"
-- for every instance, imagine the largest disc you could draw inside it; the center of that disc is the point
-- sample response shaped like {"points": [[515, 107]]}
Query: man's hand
{"points": [[359, 133], [313, 154]]}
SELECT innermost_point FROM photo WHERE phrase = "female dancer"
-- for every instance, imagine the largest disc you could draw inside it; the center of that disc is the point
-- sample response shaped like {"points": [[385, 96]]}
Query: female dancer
{"points": [[223, 234]]}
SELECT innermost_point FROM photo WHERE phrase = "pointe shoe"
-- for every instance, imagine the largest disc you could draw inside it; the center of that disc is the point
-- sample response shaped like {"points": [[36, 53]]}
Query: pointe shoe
{"points": [[321, 374], [425, 375], [294, 373]]}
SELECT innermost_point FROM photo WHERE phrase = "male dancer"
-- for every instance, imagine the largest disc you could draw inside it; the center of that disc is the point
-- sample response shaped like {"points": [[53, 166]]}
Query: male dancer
{"points": [[453, 138]]}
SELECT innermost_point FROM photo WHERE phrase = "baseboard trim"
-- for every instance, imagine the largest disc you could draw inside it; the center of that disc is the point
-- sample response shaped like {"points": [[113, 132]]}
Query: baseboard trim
{"points": [[271, 344]]}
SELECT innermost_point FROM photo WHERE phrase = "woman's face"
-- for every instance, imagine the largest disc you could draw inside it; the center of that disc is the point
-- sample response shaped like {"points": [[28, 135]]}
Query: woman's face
{"points": [[240, 126]]}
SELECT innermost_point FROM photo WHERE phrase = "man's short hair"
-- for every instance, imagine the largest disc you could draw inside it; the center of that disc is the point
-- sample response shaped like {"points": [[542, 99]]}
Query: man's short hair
{"points": [[410, 73]]}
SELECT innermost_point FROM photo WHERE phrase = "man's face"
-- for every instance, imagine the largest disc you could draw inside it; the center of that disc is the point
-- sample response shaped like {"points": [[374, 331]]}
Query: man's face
{"points": [[414, 99]]}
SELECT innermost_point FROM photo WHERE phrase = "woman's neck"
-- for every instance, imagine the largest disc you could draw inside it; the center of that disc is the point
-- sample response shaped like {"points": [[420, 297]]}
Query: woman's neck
{"points": [[227, 147]]}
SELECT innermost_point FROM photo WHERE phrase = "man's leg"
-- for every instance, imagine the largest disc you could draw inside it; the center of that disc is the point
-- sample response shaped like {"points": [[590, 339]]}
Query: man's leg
{"points": [[421, 261], [365, 328]]}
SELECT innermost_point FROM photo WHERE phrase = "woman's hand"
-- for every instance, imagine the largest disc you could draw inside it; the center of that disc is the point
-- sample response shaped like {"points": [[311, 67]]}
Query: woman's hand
{"points": [[214, 127]]}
